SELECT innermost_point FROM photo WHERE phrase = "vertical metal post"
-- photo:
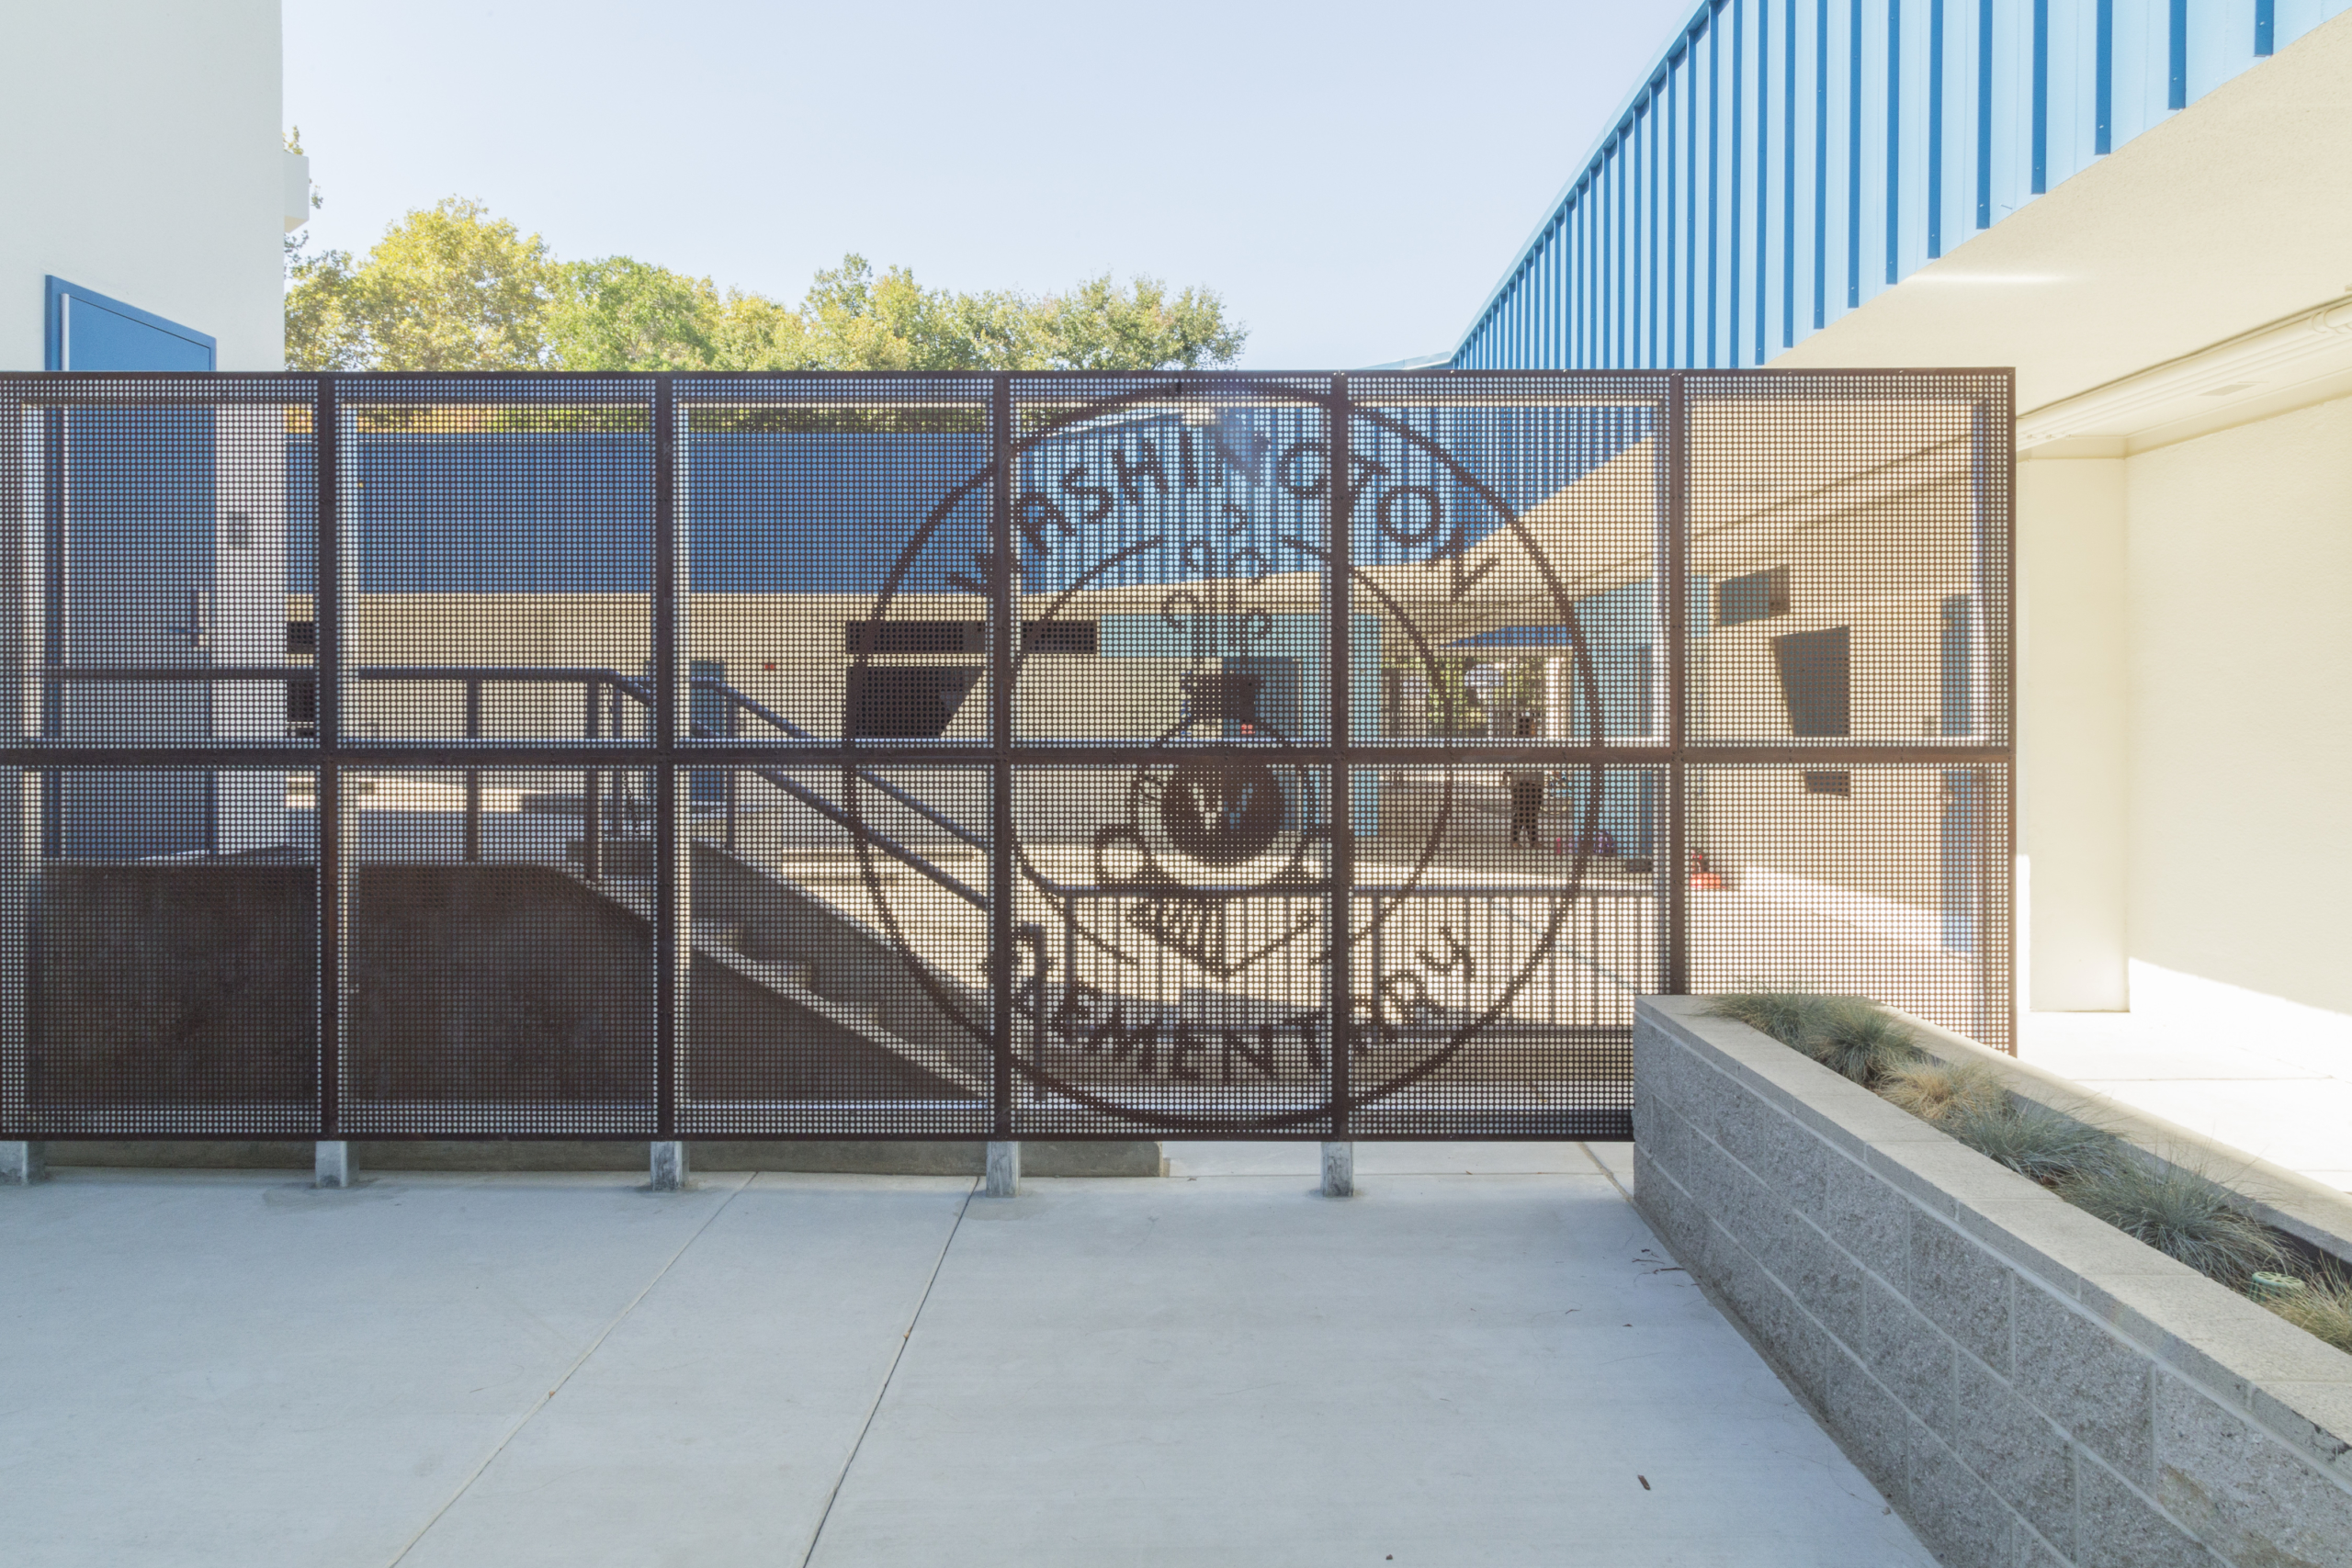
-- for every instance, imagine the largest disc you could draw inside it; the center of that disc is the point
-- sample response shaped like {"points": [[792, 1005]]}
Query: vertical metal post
{"points": [[1004, 625], [25, 795], [1991, 713], [473, 775], [1339, 975], [326, 672], [53, 643], [592, 800], [671, 851], [1674, 954]]}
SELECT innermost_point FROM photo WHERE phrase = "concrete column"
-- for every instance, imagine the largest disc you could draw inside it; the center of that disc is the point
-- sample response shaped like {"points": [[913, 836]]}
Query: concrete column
{"points": [[22, 1164], [1339, 1169], [2073, 695], [1004, 1169], [669, 1167], [331, 1165]]}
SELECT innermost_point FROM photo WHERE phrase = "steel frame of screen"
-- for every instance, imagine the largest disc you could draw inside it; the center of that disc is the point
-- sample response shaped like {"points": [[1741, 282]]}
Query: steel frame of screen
{"points": [[666, 753]]}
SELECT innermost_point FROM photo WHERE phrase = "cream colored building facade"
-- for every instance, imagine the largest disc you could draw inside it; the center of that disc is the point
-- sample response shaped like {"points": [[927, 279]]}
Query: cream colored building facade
{"points": [[147, 165], [2180, 318]]}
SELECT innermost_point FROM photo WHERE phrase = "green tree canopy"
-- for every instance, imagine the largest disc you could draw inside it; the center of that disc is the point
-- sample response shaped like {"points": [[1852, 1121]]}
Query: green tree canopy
{"points": [[446, 288], [619, 314], [452, 288]]}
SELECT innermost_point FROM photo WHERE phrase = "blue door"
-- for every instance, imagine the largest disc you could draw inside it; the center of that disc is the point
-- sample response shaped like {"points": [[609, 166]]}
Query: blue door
{"points": [[131, 531]]}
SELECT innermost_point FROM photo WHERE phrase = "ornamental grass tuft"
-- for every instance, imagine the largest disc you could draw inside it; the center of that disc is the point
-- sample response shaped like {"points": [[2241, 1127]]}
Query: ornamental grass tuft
{"points": [[1935, 1090], [1783, 1015], [2036, 1142], [2180, 1212], [1858, 1038]]}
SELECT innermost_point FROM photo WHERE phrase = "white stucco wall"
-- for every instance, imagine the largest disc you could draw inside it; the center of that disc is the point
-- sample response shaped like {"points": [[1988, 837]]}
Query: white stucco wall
{"points": [[2239, 582], [2073, 760], [145, 161]]}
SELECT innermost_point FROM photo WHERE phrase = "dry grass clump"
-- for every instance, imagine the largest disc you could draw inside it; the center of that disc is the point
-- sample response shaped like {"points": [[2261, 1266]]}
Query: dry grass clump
{"points": [[1936, 1092], [1846, 1034], [2322, 1308], [2180, 1212]]}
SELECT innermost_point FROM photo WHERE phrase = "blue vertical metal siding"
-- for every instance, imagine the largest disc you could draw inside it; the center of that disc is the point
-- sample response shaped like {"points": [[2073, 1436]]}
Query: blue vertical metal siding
{"points": [[1834, 146]]}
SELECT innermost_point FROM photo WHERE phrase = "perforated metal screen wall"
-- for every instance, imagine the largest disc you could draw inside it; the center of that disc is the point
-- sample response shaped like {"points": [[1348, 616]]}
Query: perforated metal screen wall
{"points": [[960, 756]]}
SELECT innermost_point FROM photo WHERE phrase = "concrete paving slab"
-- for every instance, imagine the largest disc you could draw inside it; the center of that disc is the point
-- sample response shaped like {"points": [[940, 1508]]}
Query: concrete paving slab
{"points": [[1267, 1159], [711, 1426], [236, 1369], [1472, 1159], [1617, 1159], [1448, 1369], [1381, 1158], [214, 1368]]}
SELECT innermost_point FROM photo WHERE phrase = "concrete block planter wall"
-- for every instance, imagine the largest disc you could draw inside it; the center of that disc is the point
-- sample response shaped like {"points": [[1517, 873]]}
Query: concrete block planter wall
{"points": [[2031, 1386]]}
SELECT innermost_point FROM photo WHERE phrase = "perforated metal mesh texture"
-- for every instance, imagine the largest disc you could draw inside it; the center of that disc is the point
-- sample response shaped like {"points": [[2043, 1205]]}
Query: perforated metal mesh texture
{"points": [[841, 940], [669, 756], [167, 989], [1850, 557], [498, 545], [1893, 883], [494, 985]]}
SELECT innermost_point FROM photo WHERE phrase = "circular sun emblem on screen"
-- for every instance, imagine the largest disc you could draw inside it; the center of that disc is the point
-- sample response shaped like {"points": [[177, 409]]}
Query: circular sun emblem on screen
{"points": [[1181, 897]]}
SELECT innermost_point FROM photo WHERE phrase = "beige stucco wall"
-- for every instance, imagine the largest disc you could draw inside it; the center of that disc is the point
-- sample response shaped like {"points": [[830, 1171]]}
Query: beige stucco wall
{"points": [[146, 162], [2072, 694], [1883, 569], [2239, 577], [784, 651]]}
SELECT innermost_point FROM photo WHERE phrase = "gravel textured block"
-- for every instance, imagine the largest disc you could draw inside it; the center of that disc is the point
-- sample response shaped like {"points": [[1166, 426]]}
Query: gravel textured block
{"points": [[1803, 1349], [1963, 1290], [2032, 1551], [2093, 1384], [1908, 1355], [1823, 1278], [2013, 1449], [1867, 1421], [2313, 1416], [2117, 1528], [1872, 1221], [2244, 1492], [1780, 1153], [1960, 1518], [1741, 1277], [1678, 1217]]}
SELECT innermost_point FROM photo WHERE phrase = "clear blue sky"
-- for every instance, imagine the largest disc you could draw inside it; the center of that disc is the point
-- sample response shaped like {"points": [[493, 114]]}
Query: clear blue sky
{"points": [[1352, 179]]}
